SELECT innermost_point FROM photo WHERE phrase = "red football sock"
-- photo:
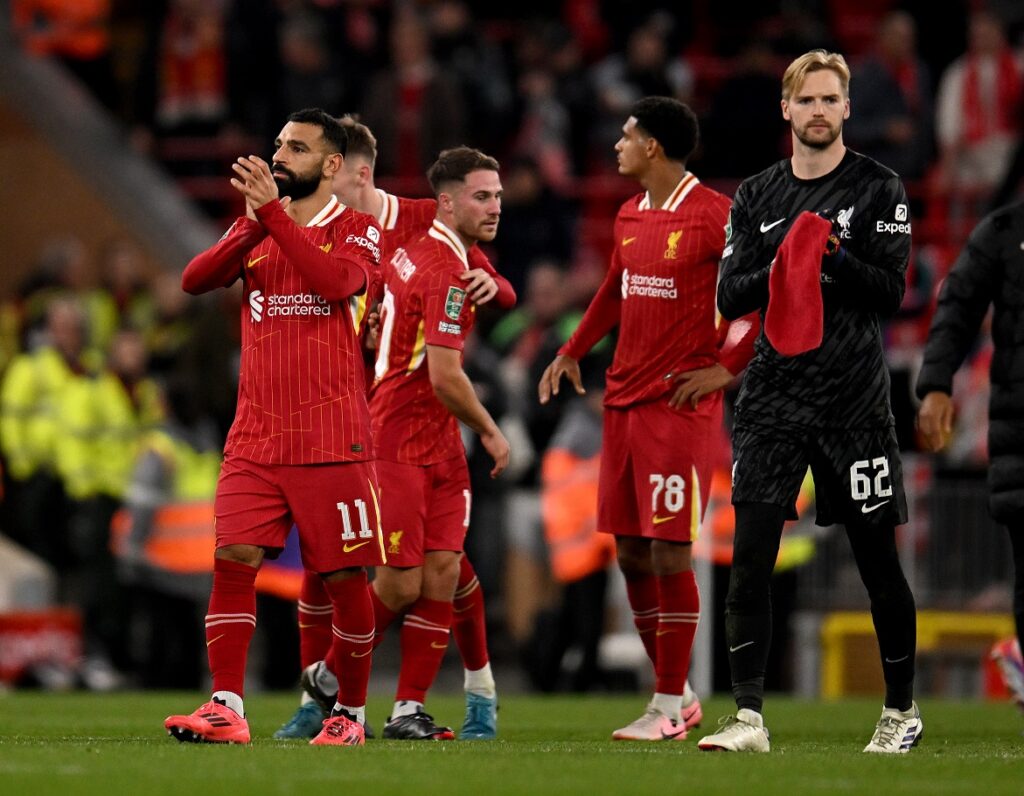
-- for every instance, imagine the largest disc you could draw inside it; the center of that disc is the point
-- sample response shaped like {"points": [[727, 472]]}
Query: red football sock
{"points": [[315, 612], [383, 618], [643, 599], [230, 620], [678, 611], [353, 637], [469, 622], [424, 641]]}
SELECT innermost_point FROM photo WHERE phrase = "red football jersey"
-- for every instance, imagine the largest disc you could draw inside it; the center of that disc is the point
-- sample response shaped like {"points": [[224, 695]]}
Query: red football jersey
{"points": [[660, 290], [301, 391], [401, 220], [425, 303]]}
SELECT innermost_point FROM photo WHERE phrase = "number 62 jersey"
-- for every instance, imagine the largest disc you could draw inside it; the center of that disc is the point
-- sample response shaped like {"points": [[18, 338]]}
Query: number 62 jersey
{"points": [[844, 383]]}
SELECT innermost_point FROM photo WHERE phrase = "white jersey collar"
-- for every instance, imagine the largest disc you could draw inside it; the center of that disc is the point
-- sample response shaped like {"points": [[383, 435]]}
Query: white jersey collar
{"points": [[440, 231], [331, 211], [679, 193], [388, 217]]}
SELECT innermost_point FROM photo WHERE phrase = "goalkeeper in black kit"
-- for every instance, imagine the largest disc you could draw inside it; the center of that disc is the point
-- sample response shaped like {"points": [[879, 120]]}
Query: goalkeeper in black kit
{"points": [[819, 244]]}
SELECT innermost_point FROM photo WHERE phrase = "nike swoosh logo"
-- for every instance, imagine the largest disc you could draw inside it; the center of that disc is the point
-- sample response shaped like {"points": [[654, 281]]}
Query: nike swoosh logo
{"points": [[887, 660], [463, 610], [218, 638], [664, 632], [437, 646], [668, 736], [361, 654], [303, 627], [255, 260], [627, 241], [348, 548], [659, 520], [326, 248], [766, 227], [868, 509], [741, 646]]}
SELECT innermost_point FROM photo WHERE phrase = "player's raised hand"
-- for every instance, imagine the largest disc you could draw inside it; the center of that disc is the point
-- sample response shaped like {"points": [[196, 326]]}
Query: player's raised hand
{"points": [[481, 286], [496, 445], [561, 365], [254, 180], [695, 384], [935, 420]]}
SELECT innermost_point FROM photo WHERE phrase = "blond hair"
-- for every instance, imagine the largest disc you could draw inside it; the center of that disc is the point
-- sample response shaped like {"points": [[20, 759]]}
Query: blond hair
{"points": [[815, 61]]}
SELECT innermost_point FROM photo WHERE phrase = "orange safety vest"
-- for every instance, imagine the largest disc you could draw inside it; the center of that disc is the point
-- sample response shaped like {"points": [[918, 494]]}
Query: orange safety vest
{"points": [[569, 510], [182, 541], [720, 521]]}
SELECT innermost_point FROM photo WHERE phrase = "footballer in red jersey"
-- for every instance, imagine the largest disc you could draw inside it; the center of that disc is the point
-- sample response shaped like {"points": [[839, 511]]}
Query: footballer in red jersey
{"points": [[663, 399], [402, 220], [299, 451], [420, 393]]}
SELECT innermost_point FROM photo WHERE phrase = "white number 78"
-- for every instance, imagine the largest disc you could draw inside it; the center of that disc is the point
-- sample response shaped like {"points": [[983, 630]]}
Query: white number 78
{"points": [[674, 488]]}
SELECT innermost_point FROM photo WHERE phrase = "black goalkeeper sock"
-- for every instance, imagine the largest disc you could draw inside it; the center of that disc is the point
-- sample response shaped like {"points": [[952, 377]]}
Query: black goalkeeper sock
{"points": [[749, 638], [892, 609], [748, 606]]}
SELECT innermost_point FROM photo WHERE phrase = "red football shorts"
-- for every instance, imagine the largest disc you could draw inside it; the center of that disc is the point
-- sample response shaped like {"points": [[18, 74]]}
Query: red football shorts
{"points": [[656, 465], [335, 506], [423, 508]]}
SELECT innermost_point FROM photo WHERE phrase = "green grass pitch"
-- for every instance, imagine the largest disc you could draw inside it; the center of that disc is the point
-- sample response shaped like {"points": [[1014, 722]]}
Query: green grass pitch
{"points": [[115, 744]]}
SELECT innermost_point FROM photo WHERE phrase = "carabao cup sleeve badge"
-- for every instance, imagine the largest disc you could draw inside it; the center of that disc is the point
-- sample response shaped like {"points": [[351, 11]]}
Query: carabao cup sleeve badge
{"points": [[453, 303]]}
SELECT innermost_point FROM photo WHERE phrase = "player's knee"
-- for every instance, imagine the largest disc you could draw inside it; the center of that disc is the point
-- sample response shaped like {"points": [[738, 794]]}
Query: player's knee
{"points": [[400, 596], [247, 554], [890, 592], [398, 590], [668, 558], [632, 564], [749, 590], [441, 575], [634, 556]]}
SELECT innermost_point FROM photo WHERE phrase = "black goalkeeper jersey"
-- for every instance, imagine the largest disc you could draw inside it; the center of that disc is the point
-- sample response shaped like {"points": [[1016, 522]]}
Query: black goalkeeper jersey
{"points": [[843, 384]]}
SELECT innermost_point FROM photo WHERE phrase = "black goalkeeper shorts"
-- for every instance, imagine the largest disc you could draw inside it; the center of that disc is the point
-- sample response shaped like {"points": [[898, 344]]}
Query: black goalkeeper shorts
{"points": [[858, 475]]}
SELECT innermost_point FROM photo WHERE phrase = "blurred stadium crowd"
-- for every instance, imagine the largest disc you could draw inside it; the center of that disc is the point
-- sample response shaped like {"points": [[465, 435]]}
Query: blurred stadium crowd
{"points": [[117, 388]]}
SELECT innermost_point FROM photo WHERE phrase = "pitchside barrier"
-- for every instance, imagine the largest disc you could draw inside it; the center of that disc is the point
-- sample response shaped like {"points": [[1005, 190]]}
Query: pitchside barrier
{"points": [[958, 563], [952, 653]]}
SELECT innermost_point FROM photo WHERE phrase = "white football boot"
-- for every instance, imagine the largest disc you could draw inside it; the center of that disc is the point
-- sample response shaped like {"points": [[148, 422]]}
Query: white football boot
{"points": [[744, 732], [897, 732]]}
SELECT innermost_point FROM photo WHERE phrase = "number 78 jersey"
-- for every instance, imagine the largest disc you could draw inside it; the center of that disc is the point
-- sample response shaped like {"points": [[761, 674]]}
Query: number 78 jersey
{"points": [[660, 291], [424, 304]]}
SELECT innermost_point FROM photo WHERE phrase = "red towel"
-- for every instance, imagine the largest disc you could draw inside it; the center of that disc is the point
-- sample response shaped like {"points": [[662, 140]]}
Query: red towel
{"points": [[793, 322]]}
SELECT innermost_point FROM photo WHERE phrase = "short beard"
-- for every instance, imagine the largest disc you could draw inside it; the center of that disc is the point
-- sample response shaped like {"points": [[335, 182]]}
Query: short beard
{"points": [[819, 143], [296, 187]]}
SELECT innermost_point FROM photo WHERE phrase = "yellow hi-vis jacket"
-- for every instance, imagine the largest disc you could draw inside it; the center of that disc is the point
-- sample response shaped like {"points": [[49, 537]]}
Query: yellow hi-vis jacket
{"points": [[31, 399], [181, 536], [101, 433], [123, 421]]}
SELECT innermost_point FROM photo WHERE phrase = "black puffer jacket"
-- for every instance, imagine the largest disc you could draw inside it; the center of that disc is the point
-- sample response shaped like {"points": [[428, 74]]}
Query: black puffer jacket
{"points": [[989, 271]]}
